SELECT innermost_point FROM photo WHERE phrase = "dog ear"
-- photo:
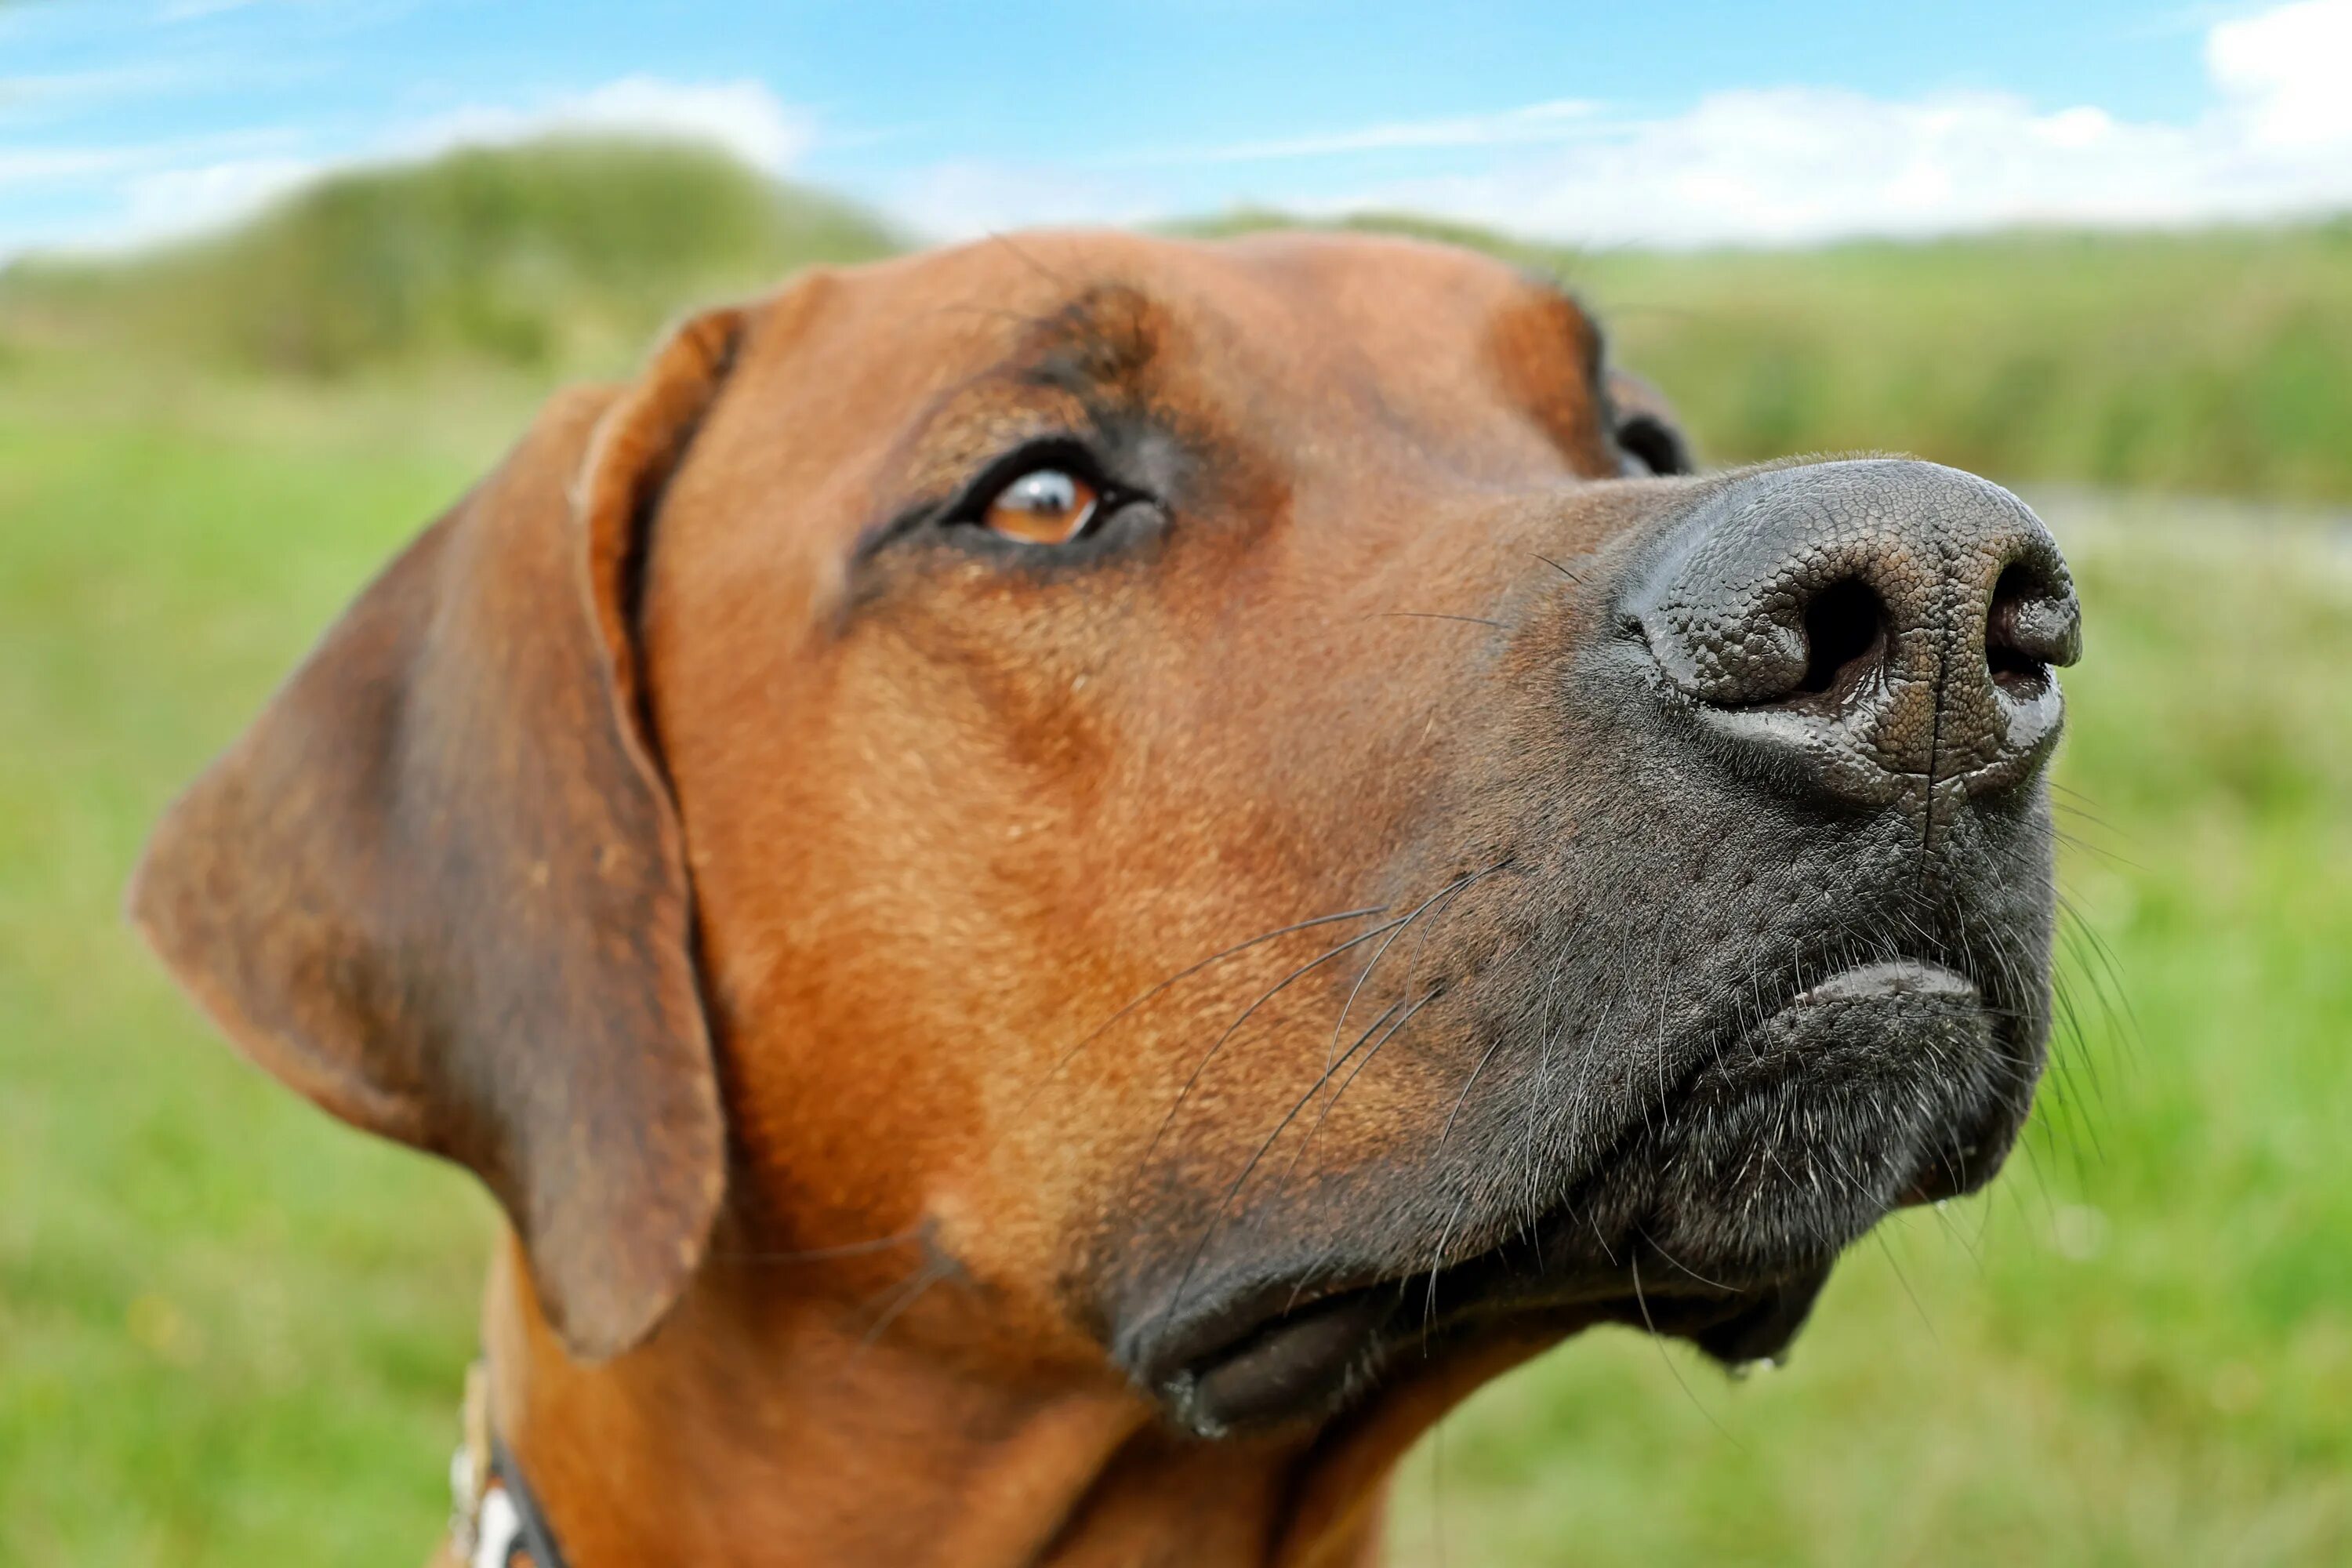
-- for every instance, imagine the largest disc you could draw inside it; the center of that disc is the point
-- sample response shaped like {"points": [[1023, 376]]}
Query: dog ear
{"points": [[439, 886], [1646, 429]]}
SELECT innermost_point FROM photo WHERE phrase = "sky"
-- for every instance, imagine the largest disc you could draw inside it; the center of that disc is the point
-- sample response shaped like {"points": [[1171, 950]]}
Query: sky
{"points": [[1628, 123]]}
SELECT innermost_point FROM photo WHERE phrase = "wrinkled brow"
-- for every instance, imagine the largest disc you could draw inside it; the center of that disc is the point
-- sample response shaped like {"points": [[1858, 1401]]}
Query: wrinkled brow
{"points": [[1080, 366], [1097, 344]]}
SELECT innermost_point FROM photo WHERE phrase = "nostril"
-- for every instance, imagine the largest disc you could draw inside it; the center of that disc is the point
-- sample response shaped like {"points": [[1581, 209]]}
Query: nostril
{"points": [[2021, 638], [1845, 626], [2013, 671]]}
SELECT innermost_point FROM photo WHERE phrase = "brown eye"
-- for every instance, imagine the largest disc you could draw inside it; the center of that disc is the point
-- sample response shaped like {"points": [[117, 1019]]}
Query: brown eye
{"points": [[1044, 506]]}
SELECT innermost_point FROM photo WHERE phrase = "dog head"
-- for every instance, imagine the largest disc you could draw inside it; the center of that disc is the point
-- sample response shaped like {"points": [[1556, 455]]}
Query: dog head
{"points": [[1240, 797]]}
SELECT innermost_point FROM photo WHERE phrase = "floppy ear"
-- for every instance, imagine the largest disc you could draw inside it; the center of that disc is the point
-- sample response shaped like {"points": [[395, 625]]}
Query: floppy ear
{"points": [[439, 888], [1647, 427]]}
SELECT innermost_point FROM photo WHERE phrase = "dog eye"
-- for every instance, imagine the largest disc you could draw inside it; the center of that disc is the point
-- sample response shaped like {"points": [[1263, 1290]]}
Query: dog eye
{"points": [[1044, 506]]}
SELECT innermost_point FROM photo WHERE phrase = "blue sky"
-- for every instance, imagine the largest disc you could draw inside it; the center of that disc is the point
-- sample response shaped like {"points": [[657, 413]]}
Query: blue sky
{"points": [[1624, 123]]}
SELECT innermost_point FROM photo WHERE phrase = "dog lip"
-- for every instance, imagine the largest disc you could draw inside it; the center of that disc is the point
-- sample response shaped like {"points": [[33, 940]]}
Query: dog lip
{"points": [[1864, 1025], [1767, 1321], [1237, 1322], [1274, 1351], [1277, 1351], [1312, 1359], [1302, 1359]]}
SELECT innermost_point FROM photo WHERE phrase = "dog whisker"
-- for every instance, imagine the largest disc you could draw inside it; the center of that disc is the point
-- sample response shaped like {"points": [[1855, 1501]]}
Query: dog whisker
{"points": [[1063, 1062], [1467, 880], [880, 1244], [1243, 1017], [1209, 1230], [1433, 615], [930, 1272], [1642, 1299], [1558, 567]]}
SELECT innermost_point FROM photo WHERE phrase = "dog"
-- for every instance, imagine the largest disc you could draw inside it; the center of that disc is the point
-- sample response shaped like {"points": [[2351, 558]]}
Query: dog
{"points": [[1065, 886]]}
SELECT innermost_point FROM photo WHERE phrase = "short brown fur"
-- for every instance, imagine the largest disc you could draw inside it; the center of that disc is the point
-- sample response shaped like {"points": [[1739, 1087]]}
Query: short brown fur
{"points": [[676, 719]]}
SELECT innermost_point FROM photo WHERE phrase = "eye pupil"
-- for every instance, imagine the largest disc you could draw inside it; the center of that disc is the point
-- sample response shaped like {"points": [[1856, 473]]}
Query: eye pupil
{"points": [[1044, 506], [1047, 490]]}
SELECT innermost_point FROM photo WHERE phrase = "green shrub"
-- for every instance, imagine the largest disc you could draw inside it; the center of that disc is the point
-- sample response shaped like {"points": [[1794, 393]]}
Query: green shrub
{"points": [[558, 253]]}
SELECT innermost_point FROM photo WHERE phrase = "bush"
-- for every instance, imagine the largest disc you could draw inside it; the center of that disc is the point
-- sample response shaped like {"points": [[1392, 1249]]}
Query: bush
{"points": [[548, 254]]}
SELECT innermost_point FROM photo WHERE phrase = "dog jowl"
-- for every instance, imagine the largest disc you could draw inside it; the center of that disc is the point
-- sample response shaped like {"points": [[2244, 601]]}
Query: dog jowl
{"points": [[1153, 857]]}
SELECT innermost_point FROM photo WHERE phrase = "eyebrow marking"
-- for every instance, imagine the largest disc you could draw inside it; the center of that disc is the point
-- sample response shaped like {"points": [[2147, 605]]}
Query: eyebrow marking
{"points": [[1584, 324], [1079, 368], [1552, 360], [1102, 341]]}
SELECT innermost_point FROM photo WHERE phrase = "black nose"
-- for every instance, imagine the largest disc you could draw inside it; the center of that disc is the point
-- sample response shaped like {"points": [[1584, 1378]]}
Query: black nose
{"points": [[1875, 630]]}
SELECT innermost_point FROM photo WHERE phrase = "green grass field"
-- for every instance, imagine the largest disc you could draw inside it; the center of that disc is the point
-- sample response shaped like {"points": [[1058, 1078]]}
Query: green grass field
{"points": [[2212, 362], [232, 1332]]}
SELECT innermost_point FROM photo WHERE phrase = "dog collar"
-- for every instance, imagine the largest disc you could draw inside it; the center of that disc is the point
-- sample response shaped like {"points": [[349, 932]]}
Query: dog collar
{"points": [[494, 1521]]}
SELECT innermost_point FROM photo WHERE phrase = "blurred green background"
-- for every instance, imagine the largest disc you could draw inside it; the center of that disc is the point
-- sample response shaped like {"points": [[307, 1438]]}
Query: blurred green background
{"points": [[232, 1331]]}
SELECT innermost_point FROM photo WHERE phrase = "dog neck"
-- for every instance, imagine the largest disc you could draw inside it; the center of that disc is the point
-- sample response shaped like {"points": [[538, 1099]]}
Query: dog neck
{"points": [[748, 1431]]}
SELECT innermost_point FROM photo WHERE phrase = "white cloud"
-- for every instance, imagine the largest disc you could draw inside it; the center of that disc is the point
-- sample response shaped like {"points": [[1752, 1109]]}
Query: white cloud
{"points": [[20, 95], [2285, 72], [1801, 164], [51, 165], [167, 188], [32, 165], [1796, 164], [744, 117], [966, 198], [1782, 165], [196, 10], [163, 201], [1552, 121], [176, 11]]}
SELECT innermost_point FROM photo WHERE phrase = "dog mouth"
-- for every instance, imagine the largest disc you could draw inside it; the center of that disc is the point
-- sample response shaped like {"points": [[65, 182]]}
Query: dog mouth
{"points": [[1874, 1089], [1313, 1360]]}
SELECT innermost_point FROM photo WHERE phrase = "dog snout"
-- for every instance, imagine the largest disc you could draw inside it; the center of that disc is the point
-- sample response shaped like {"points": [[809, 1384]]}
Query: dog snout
{"points": [[1871, 630]]}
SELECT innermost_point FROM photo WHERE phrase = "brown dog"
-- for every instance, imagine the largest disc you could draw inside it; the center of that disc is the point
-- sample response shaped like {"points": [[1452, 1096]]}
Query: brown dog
{"points": [[1065, 886]]}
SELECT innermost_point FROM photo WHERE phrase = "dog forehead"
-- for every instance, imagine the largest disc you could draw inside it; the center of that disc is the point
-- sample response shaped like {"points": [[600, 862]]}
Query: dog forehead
{"points": [[1284, 331], [1200, 317], [1379, 287], [1354, 360]]}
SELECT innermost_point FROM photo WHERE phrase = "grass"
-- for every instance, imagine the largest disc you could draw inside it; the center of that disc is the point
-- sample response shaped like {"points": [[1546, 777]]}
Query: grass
{"points": [[232, 1331], [224, 1337], [2212, 361], [2209, 361]]}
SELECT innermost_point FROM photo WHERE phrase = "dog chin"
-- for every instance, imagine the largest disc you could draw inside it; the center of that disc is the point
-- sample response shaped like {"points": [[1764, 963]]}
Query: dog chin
{"points": [[1880, 1086], [1886, 1084]]}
